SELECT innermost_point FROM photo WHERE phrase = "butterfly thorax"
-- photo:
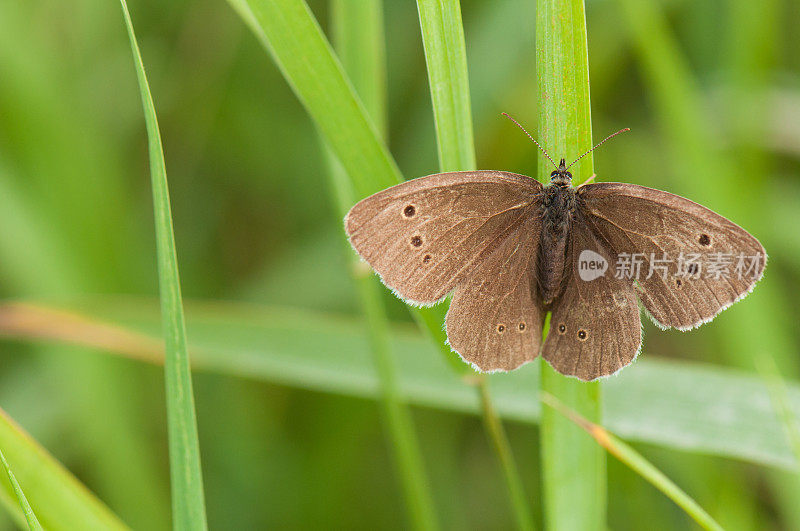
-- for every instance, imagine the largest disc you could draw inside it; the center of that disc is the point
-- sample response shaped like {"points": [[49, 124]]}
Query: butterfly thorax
{"points": [[558, 206]]}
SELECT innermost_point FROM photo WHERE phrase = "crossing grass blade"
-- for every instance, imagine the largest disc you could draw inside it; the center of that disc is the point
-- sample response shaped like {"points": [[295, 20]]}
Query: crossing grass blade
{"points": [[573, 467], [763, 321], [188, 499], [330, 353], [636, 462]]}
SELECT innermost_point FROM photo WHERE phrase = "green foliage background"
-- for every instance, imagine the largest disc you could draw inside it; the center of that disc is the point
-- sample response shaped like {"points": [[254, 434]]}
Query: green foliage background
{"points": [[711, 91]]}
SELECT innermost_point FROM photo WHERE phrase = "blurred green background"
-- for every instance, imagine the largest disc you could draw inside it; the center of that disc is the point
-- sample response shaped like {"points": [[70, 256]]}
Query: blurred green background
{"points": [[715, 115]]}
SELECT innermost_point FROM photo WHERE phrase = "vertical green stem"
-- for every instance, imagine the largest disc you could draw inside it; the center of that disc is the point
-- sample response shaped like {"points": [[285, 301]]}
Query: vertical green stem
{"points": [[446, 59], [574, 483], [358, 39]]}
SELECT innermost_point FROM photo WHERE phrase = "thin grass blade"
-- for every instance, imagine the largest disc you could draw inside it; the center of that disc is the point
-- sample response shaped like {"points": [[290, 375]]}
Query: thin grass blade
{"points": [[636, 462], [291, 34], [502, 448], [188, 500], [730, 184], [446, 60], [358, 38], [30, 517]]}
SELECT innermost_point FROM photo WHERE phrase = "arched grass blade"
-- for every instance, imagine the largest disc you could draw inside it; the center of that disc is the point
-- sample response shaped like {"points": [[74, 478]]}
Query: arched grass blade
{"points": [[291, 34]]}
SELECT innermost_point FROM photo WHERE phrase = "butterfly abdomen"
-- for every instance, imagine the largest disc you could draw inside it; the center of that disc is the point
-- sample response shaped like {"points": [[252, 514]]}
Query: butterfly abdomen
{"points": [[558, 207]]}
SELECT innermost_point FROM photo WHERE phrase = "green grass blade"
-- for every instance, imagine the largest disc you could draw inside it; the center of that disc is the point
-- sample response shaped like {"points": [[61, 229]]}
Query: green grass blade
{"points": [[408, 457], [288, 30], [574, 468], [188, 500], [446, 60], [636, 462], [431, 321], [330, 353], [359, 40], [30, 517], [358, 37], [62, 502]]}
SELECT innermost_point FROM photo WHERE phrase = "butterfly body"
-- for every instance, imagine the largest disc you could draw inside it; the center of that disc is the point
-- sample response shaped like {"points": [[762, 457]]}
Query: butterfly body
{"points": [[558, 209], [510, 250]]}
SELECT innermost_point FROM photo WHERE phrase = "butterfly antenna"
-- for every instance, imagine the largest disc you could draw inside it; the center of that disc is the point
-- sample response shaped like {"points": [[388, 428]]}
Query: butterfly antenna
{"points": [[534, 140], [609, 137]]}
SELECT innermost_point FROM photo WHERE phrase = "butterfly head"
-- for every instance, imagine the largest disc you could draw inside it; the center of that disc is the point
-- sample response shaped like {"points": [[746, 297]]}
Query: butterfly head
{"points": [[560, 176]]}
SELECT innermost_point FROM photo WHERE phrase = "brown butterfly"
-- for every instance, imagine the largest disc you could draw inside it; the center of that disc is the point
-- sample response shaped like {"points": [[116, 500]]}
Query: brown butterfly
{"points": [[511, 250]]}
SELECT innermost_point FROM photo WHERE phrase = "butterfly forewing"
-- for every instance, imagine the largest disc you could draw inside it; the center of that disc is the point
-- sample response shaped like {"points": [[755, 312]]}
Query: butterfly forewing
{"points": [[691, 262], [595, 329], [495, 318], [425, 236]]}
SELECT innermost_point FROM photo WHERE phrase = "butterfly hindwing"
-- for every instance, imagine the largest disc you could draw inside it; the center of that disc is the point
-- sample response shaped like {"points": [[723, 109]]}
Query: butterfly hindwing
{"points": [[595, 328], [669, 233], [424, 236], [495, 318]]}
